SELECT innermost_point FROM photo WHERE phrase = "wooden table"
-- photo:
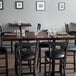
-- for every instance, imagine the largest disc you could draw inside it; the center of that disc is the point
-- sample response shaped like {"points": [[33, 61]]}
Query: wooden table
{"points": [[13, 37], [19, 25]]}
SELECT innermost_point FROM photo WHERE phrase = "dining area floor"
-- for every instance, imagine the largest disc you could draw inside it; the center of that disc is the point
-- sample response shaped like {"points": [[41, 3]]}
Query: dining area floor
{"points": [[11, 68]]}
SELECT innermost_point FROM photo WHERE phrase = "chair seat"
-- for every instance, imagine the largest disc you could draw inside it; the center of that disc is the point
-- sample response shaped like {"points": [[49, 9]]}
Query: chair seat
{"points": [[27, 55], [55, 54]]}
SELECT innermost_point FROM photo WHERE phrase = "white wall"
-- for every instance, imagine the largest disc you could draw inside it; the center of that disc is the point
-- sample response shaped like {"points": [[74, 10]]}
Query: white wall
{"points": [[52, 18]]}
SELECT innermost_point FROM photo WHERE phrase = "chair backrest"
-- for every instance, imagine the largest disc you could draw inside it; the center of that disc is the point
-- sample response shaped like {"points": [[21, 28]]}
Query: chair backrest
{"points": [[26, 31], [60, 50], [22, 49], [72, 27], [59, 46], [38, 26], [67, 28]]}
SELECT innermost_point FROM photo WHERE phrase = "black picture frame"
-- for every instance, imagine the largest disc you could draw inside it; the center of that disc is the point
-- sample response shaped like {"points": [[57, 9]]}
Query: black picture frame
{"points": [[19, 4], [61, 6], [40, 5], [1, 4]]}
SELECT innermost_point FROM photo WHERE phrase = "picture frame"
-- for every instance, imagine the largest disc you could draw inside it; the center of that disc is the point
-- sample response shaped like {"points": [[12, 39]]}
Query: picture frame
{"points": [[40, 6], [19, 4], [61, 6], [1, 4]]}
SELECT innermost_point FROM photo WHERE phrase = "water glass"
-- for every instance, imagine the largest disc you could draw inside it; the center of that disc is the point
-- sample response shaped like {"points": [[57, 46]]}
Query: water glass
{"points": [[18, 33]]}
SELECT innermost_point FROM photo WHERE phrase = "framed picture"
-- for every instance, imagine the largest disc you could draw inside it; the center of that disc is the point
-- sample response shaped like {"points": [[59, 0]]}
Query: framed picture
{"points": [[61, 6], [19, 4], [40, 5], [1, 4]]}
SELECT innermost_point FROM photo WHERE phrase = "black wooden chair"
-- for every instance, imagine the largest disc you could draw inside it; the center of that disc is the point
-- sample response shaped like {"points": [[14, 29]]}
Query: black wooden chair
{"points": [[57, 52], [3, 57], [24, 53], [71, 46], [11, 42], [42, 44], [38, 26]]}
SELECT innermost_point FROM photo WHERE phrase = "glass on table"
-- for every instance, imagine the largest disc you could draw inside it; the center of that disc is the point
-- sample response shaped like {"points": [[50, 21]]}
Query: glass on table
{"points": [[36, 33], [23, 33], [18, 33], [52, 32], [19, 22]]}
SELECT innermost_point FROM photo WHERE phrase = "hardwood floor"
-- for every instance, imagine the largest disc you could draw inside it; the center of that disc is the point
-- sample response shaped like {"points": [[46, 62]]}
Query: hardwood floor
{"points": [[12, 71]]}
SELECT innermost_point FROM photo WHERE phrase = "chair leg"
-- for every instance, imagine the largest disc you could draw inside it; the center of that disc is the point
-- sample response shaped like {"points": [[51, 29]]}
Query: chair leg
{"points": [[16, 67], [20, 69], [34, 74], [6, 62], [74, 63], [60, 67], [16, 63], [50, 63], [11, 47], [29, 62], [39, 59], [53, 67], [64, 67], [45, 67]]}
